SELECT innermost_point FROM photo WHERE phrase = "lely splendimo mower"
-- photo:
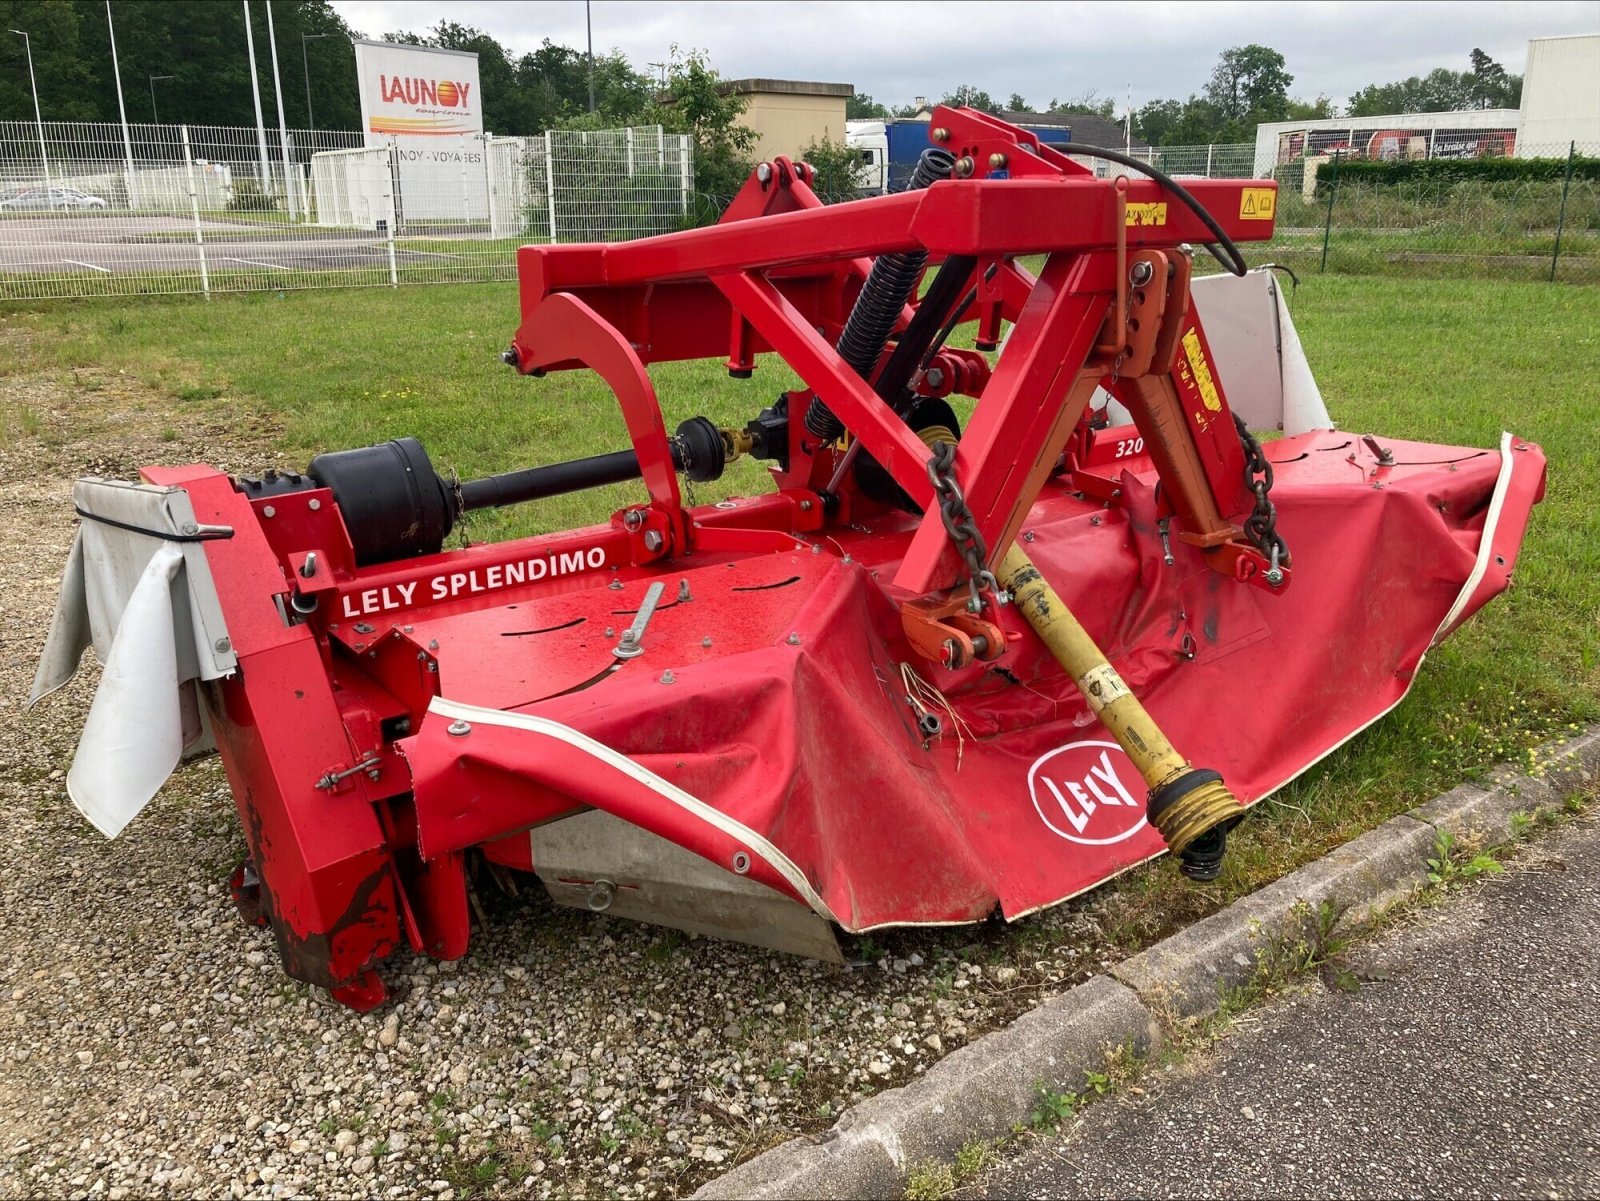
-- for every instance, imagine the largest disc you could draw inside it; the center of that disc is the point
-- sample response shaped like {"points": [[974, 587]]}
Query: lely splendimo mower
{"points": [[939, 669]]}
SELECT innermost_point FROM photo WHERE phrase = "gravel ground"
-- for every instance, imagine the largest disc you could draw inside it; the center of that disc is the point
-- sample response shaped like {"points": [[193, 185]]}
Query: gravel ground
{"points": [[152, 1045]]}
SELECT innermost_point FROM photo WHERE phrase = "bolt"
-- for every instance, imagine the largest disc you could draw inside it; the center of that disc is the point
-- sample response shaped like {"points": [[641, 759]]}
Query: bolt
{"points": [[615, 585], [1274, 576], [794, 639], [706, 642], [847, 559], [653, 541], [816, 549], [805, 506], [668, 678], [510, 357], [683, 591], [1095, 520], [1141, 273], [997, 161], [309, 567], [222, 646], [269, 511], [611, 631], [934, 377], [433, 644], [941, 134], [458, 729], [313, 504], [764, 172], [1027, 535], [633, 519], [964, 166], [190, 527], [373, 773], [407, 629], [363, 627]]}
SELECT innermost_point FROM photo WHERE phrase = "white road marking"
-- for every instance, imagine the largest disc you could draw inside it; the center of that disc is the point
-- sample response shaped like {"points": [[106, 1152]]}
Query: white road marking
{"points": [[437, 254], [91, 266], [255, 263]]}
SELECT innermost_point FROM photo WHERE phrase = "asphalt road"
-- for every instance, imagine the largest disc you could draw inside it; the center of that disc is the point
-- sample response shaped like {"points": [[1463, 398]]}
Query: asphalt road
{"points": [[97, 244], [1472, 1070]]}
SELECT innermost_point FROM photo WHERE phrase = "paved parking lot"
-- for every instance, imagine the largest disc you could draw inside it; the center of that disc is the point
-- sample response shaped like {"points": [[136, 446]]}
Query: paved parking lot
{"points": [[73, 247]]}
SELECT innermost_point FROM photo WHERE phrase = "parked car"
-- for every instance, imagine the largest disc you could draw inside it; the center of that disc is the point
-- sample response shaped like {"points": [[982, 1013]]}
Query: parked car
{"points": [[57, 199]]}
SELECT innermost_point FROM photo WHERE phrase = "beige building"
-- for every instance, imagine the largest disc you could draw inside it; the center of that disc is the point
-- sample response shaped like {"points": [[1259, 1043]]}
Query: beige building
{"points": [[790, 114]]}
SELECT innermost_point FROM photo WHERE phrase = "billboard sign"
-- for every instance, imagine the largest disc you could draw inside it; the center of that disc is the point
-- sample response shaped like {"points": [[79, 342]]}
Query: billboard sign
{"points": [[427, 104], [417, 91]]}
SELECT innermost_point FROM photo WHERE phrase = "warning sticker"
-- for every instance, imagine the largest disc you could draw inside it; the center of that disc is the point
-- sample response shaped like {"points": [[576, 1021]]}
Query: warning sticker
{"points": [[1147, 214], [1256, 204], [1101, 685], [1201, 371]]}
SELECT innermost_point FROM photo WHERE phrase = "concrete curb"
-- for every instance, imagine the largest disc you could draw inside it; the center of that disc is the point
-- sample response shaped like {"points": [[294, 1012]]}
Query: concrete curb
{"points": [[984, 1089]]}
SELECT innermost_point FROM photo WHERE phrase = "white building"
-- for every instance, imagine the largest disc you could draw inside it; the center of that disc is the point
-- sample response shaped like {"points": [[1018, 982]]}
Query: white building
{"points": [[1560, 104], [1561, 95]]}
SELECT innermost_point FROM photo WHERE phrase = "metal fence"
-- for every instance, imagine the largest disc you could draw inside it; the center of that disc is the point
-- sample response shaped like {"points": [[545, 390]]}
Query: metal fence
{"points": [[1527, 229], [96, 210], [1516, 229]]}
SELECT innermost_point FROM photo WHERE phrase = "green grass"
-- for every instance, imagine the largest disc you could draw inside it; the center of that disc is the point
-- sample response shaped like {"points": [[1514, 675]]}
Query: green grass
{"points": [[1448, 362]]}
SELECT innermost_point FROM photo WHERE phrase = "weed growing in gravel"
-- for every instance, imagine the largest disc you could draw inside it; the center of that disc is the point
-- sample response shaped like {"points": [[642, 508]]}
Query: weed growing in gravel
{"points": [[1451, 866]]}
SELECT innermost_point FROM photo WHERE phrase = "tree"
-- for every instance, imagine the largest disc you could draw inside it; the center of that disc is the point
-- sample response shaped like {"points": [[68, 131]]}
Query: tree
{"points": [[1249, 83], [837, 165], [1155, 120], [692, 103], [1310, 110], [970, 97], [1090, 102], [862, 107], [1492, 87], [1016, 104], [1441, 90]]}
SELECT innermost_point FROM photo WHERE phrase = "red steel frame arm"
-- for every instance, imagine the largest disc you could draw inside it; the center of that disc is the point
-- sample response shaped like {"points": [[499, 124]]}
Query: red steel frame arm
{"points": [[886, 437], [1011, 443]]}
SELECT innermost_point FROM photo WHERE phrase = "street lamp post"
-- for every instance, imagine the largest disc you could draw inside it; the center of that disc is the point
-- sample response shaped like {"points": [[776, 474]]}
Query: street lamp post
{"points": [[44, 161], [155, 113], [305, 66]]}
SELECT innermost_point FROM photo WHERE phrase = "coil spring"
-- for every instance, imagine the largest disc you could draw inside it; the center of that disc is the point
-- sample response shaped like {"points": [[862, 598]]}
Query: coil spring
{"points": [[887, 288]]}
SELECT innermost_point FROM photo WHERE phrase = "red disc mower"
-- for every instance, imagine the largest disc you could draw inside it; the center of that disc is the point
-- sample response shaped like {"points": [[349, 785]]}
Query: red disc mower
{"points": [[1009, 620]]}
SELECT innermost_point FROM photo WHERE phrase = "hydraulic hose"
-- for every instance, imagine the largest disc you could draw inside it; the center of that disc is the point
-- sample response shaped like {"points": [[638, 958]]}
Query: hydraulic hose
{"points": [[1190, 807], [884, 294]]}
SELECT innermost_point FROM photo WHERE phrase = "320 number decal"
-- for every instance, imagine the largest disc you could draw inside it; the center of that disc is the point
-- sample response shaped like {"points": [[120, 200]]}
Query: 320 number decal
{"points": [[1129, 446]]}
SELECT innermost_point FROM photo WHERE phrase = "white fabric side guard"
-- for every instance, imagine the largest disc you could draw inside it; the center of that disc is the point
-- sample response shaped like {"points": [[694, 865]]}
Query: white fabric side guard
{"points": [[1257, 354], [138, 588]]}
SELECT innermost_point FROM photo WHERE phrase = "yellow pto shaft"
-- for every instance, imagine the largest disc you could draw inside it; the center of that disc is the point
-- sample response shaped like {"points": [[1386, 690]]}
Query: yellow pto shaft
{"points": [[1190, 807]]}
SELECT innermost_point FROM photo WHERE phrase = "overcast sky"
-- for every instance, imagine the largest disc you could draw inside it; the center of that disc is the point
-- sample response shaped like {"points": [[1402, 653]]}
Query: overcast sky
{"points": [[896, 51]]}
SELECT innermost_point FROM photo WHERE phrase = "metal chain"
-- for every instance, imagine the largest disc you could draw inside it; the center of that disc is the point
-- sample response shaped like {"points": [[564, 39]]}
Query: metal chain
{"points": [[1261, 527], [958, 523]]}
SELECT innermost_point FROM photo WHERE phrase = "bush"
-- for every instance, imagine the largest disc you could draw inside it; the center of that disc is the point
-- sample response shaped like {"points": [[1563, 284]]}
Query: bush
{"points": [[249, 197], [1461, 170]]}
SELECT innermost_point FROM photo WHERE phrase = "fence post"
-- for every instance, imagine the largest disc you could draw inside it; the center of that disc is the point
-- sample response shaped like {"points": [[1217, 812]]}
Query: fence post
{"points": [[1327, 227], [1561, 217], [488, 177], [388, 195], [550, 182], [194, 208], [1210, 146]]}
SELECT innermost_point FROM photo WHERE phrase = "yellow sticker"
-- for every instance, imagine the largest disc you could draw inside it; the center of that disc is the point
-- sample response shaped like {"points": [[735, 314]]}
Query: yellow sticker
{"points": [[1154, 213], [1256, 204], [1101, 686], [1201, 370]]}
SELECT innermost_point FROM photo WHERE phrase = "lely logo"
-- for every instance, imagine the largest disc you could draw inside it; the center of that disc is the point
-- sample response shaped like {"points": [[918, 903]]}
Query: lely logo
{"points": [[1089, 793]]}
